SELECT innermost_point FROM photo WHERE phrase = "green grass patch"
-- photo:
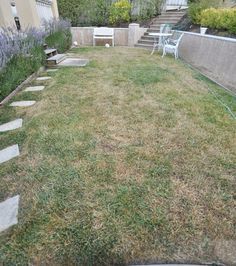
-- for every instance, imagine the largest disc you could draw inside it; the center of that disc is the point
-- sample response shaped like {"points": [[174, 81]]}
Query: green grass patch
{"points": [[127, 160]]}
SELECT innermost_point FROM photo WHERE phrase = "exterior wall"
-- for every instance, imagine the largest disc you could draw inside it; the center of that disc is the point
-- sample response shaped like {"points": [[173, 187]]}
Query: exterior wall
{"points": [[6, 18], [214, 56], [84, 35], [26, 11], [55, 9]]}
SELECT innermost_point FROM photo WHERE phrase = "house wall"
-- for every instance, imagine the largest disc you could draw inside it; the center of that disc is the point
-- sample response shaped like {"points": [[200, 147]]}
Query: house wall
{"points": [[26, 11], [6, 18], [214, 56], [123, 36]]}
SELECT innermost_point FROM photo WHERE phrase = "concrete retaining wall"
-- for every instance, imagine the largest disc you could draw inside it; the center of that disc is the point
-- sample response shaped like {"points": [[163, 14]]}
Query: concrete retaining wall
{"points": [[214, 56], [123, 36]]}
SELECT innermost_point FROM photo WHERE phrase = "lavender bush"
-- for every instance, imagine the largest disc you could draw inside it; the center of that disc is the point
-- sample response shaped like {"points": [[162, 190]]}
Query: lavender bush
{"points": [[55, 25], [13, 42], [21, 52], [58, 34]]}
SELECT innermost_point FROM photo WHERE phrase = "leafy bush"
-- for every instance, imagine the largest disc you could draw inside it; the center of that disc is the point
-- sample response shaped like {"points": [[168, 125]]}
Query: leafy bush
{"points": [[98, 12], [120, 12], [146, 9], [224, 19], [85, 12], [58, 34], [196, 7]]}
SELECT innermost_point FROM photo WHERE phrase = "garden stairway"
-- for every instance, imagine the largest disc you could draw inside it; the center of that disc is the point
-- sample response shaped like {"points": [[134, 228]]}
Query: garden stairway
{"points": [[53, 58], [168, 17]]}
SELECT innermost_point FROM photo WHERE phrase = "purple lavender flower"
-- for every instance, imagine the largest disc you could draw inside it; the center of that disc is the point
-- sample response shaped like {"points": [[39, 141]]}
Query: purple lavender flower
{"points": [[13, 42]]}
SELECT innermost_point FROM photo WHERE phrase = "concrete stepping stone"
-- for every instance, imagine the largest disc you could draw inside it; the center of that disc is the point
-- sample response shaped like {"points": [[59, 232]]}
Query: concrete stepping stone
{"points": [[9, 153], [35, 88], [74, 62], [22, 103], [52, 70], [8, 212], [43, 78], [11, 125]]}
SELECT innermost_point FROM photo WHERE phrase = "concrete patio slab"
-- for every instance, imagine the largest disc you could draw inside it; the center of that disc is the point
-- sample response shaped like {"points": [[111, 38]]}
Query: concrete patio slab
{"points": [[22, 103], [9, 153], [35, 88], [8, 212], [74, 62], [11, 125], [52, 70], [43, 78]]}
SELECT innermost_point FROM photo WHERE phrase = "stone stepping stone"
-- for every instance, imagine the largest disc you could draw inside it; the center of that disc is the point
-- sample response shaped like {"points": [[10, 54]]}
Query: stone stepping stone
{"points": [[52, 70], [74, 62], [8, 212], [43, 78], [35, 88], [9, 153], [22, 103], [11, 125]]}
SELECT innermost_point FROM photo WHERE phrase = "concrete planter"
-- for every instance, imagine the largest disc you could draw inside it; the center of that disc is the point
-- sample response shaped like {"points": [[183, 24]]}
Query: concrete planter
{"points": [[203, 30]]}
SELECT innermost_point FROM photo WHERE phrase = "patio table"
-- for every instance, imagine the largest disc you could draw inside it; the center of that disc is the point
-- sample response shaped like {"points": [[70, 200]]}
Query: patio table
{"points": [[159, 43]]}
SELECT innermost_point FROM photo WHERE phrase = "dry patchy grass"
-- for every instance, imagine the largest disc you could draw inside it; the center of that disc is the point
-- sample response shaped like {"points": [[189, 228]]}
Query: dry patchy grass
{"points": [[129, 159]]}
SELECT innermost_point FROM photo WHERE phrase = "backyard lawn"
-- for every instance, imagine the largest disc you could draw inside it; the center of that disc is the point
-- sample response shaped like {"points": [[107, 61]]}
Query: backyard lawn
{"points": [[130, 159]]}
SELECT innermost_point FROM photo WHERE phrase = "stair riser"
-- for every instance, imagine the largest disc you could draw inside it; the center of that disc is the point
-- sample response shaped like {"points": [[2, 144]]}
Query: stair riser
{"points": [[146, 42], [171, 15], [151, 30], [148, 38], [55, 62], [165, 21], [158, 27], [168, 16]]}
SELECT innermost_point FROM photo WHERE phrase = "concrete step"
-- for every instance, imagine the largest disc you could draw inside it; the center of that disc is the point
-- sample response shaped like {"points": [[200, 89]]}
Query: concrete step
{"points": [[151, 30], [50, 52], [161, 20], [171, 17], [173, 14], [147, 37], [56, 59], [145, 46], [146, 42], [168, 16], [164, 21]]}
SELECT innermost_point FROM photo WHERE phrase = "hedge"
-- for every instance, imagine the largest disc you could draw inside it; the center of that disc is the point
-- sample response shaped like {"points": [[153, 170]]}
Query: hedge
{"points": [[221, 19]]}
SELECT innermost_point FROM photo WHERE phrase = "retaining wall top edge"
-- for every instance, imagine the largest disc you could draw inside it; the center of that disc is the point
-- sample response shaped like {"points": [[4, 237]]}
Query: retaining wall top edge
{"points": [[210, 36]]}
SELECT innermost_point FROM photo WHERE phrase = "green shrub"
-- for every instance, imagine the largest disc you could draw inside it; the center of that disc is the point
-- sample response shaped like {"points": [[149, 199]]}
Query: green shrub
{"points": [[85, 12], [196, 8], [120, 12], [60, 40], [221, 19], [58, 34], [18, 69]]}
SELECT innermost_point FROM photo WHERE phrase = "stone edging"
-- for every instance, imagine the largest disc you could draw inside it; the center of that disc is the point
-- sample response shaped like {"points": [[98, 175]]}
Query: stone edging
{"points": [[18, 88]]}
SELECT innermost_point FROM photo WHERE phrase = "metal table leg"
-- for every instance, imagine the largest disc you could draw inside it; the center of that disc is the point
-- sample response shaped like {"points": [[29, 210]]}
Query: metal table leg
{"points": [[155, 44]]}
